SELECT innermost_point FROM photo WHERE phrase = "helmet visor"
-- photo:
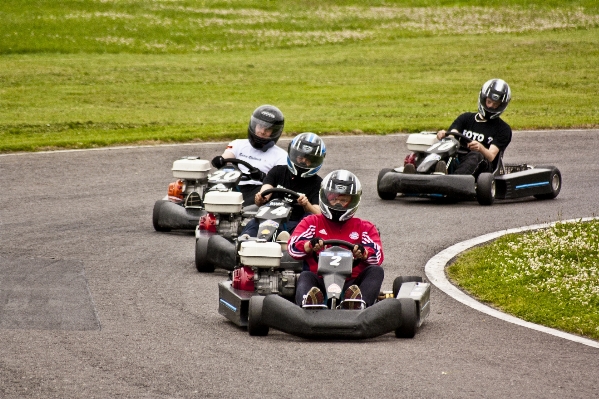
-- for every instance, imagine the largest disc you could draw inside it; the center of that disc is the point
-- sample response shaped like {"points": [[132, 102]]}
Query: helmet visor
{"points": [[265, 130], [304, 157], [340, 201]]}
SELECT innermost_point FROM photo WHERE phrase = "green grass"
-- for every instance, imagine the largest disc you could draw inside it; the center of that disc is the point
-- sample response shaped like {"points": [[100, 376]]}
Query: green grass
{"points": [[548, 277], [79, 74]]}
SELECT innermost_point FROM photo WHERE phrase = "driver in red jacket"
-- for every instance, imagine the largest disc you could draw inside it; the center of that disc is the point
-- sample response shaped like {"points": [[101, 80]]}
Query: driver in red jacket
{"points": [[340, 195]]}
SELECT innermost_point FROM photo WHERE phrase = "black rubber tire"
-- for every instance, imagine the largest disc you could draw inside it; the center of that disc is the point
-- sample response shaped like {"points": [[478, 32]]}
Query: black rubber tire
{"points": [[404, 279], [409, 319], [255, 326], [156, 217], [384, 195], [555, 180], [485, 189], [201, 256]]}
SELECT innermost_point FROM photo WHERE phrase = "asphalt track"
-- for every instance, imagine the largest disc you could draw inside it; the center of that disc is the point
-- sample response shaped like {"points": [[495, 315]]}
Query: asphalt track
{"points": [[94, 303]]}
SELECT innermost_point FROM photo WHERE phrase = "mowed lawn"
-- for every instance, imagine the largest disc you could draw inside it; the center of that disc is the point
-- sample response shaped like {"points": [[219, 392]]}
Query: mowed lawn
{"points": [[79, 74]]}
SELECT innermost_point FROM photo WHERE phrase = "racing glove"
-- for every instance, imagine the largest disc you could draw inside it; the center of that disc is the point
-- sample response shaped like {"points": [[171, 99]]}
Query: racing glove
{"points": [[218, 162], [362, 250], [314, 241], [257, 174]]}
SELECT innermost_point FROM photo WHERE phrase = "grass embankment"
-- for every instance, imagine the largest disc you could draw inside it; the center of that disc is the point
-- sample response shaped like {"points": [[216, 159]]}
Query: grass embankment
{"points": [[93, 73], [548, 277]]}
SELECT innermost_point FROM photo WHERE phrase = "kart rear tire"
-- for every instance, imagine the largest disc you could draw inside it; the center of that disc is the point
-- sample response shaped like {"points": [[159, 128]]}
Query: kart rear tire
{"points": [[156, 217], [255, 326], [201, 256], [404, 279], [555, 181], [384, 195], [409, 319], [485, 189]]}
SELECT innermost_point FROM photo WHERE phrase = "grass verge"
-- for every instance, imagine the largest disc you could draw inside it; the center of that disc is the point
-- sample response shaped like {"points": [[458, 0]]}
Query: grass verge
{"points": [[549, 277]]}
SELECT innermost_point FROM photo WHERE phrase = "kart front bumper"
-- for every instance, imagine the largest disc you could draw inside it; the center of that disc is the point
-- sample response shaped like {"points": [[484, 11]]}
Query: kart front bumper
{"points": [[381, 318], [171, 216], [455, 186]]}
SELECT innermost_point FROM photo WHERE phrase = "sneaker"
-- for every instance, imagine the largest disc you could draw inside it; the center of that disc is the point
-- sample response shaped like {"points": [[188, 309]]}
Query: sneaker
{"points": [[283, 236], [352, 299], [440, 168], [313, 299], [409, 168]]}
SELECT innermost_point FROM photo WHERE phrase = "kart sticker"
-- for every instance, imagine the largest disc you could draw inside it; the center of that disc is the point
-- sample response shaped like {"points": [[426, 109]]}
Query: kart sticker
{"points": [[265, 231], [343, 254], [334, 288], [269, 223], [225, 176]]}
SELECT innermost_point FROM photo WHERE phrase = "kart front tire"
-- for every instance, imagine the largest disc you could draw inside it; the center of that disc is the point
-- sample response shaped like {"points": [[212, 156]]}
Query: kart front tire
{"points": [[156, 217], [255, 326], [387, 196], [201, 256], [555, 182], [404, 279], [409, 319], [485, 189]]}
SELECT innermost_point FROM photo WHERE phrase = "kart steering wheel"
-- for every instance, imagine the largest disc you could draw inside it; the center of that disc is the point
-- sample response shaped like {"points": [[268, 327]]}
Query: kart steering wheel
{"points": [[340, 243], [280, 190], [460, 135], [252, 173]]}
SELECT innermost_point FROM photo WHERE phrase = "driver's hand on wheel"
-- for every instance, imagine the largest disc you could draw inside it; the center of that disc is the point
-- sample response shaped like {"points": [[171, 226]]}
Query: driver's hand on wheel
{"points": [[315, 244], [303, 200], [257, 174], [441, 134], [474, 146], [360, 252], [260, 200], [218, 162]]}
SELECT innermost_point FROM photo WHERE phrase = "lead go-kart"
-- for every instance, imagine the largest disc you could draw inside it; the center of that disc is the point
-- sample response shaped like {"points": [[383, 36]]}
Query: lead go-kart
{"points": [[260, 307], [195, 190], [218, 241], [506, 182]]}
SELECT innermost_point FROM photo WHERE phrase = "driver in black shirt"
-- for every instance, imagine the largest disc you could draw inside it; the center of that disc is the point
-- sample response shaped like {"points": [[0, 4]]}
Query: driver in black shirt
{"points": [[489, 133], [305, 157]]}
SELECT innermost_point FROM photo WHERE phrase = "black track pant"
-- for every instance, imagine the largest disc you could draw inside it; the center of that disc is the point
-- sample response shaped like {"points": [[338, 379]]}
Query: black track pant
{"points": [[369, 281], [473, 163]]}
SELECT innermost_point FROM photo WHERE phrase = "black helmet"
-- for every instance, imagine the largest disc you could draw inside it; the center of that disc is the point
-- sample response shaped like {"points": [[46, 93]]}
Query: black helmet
{"points": [[266, 117], [496, 90], [337, 183], [310, 150]]}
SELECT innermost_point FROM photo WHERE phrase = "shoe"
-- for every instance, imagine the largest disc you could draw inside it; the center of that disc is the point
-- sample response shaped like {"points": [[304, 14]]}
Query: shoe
{"points": [[313, 299], [409, 168], [352, 299], [283, 236], [440, 168]]}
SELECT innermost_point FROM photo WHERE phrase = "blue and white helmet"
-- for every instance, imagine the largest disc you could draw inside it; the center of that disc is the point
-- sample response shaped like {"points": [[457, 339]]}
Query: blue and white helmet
{"points": [[305, 154], [340, 194], [496, 90]]}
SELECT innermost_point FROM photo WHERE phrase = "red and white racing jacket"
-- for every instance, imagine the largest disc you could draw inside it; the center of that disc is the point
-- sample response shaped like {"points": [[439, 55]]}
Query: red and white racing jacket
{"points": [[355, 230]]}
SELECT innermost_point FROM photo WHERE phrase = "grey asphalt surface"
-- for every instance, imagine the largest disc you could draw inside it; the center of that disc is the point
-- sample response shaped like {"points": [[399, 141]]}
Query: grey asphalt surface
{"points": [[154, 329]]}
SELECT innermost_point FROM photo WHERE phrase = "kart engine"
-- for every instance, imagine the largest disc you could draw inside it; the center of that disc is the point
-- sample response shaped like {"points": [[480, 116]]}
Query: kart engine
{"points": [[228, 225], [265, 281]]}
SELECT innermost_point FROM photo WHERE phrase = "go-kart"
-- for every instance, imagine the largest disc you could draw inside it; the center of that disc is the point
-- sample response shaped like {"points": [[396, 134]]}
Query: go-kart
{"points": [[506, 181], [401, 311], [187, 197], [218, 229]]}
